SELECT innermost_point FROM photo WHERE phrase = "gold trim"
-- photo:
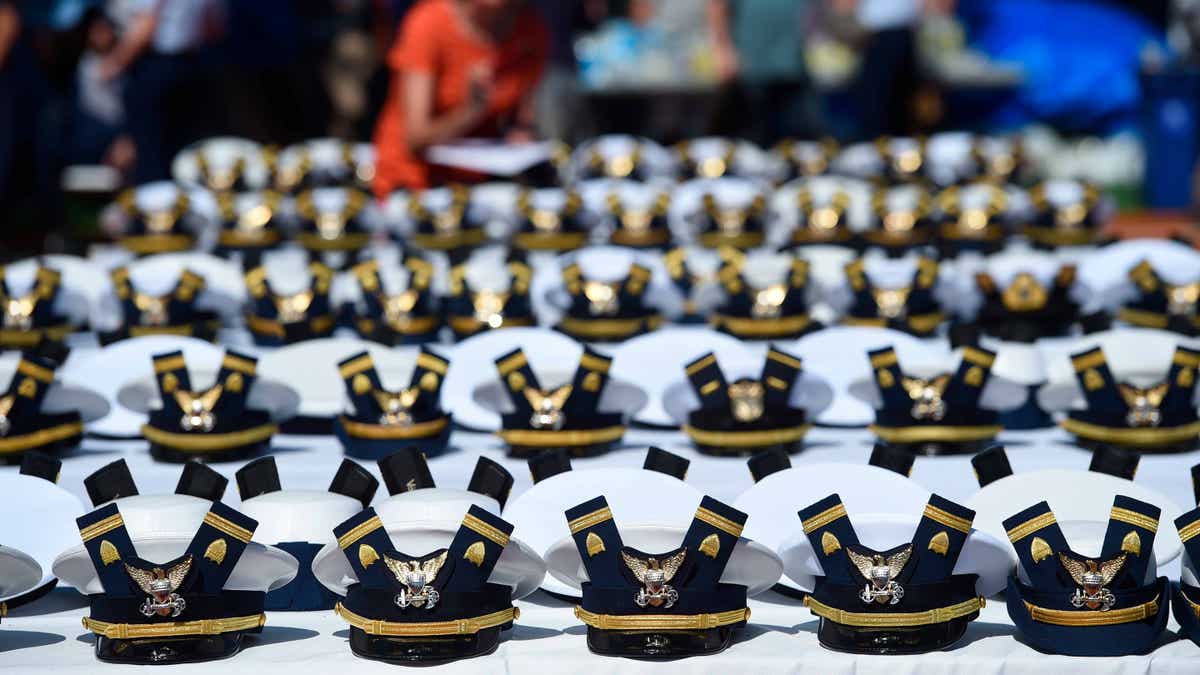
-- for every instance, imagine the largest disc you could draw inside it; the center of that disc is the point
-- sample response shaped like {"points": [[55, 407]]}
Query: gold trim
{"points": [[1139, 437], [1079, 618], [432, 363], [228, 527], [652, 237], [918, 322], [746, 439], [415, 325], [743, 240], [574, 437], [471, 236], [168, 364], [785, 359], [1056, 237], [609, 328], [133, 631], [978, 357], [885, 359], [29, 338], [244, 366], [359, 531], [935, 433], [589, 520], [1189, 531], [44, 375], [356, 366], [1030, 526], [514, 362], [101, 527], [382, 432], [1087, 361], [40, 437], [1134, 518], [700, 365], [823, 518], [894, 619], [720, 522], [242, 239], [208, 442], [468, 626], [485, 530], [948, 519], [469, 324], [1145, 319], [637, 622], [1186, 359], [549, 241], [761, 327], [595, 363], [347, 242], [273, 328], [156, 243]]}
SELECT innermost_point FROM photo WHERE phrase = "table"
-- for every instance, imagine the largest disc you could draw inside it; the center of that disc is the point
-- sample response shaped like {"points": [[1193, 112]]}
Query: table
{"points": [[781, 638]]}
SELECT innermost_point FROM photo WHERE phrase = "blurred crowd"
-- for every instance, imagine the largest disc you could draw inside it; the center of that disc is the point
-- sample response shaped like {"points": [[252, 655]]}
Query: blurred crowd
{"points": [[125, 84]]}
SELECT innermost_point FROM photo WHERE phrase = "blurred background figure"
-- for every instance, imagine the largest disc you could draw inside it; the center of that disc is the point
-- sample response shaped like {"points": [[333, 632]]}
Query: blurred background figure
{"points": [[460, 69], [759, 51], [163, 51]]}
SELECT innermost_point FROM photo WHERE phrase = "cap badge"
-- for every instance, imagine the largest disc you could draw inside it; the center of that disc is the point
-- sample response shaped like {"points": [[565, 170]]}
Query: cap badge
{"points": [[18, 312], [655, 575], [197, 408], [1143, 404], [396, 407], [881, 573], [746, 399], [892, 302], [548, 407], [768, 302], [1024, 294], [293, 308], [1181, 300], [927, 397], [415, 578], [161, 587], [603, 298], [1092, 577], [489, 307], [152, 309]]}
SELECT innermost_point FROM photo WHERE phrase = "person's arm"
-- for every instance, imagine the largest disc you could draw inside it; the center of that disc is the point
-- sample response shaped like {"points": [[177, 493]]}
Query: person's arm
{"points": [[422, 127], [10, 28], [135, 40], [725, 52]]}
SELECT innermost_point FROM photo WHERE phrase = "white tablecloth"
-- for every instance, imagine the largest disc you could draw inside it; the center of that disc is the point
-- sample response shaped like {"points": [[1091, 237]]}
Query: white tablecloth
{"points": [[47, 636]]}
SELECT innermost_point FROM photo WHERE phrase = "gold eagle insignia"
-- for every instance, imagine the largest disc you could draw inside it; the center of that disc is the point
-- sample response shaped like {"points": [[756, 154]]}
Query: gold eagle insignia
{"points": [[197, 408], [1144, 403], [547, 406], [417, 578], [880, 572], [1092, 577], [655, 575]]}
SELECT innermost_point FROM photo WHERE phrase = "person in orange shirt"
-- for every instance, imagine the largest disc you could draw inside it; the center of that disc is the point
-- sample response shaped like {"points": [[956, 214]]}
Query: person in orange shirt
{"points": [[461, 68]]}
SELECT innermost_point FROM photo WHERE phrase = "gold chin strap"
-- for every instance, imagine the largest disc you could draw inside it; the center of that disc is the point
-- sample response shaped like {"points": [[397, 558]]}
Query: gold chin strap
{"points": [[894, 619], [174, 629], [1111, 617], [468, 626], [656, 622]]}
